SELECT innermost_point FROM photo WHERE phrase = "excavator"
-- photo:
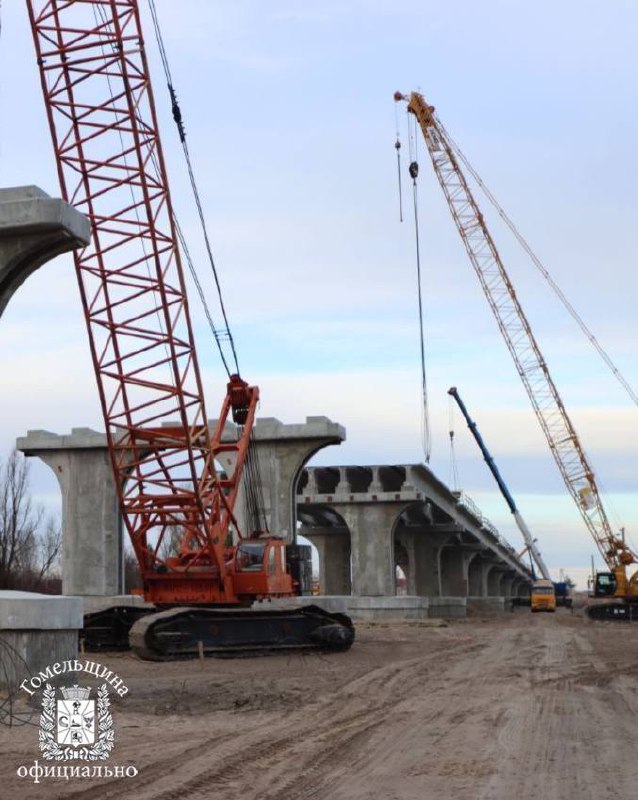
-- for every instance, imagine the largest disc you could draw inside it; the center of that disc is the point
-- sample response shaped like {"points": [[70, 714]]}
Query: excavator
{"points": [[616, 585], [102, 117]]}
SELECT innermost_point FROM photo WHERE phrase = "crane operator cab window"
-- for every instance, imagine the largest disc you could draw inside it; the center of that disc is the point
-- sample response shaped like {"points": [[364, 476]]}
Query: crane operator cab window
{"points": [[605, 584], [250, 556]]}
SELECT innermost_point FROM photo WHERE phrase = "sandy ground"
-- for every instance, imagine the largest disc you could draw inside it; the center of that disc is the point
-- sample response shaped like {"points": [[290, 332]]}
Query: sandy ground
{"points": [[520, 707]]}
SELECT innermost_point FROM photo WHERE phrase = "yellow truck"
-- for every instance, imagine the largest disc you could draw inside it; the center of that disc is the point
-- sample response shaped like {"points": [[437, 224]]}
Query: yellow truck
{"points": [[543, 596]]}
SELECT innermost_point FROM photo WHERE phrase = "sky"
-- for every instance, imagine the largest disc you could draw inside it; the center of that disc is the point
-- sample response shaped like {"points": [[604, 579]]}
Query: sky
{"points": [[291, 125]]}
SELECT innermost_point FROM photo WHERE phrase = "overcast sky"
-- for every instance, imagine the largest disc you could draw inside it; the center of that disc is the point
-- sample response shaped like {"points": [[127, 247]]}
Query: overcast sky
{"points": [[290, 119]]}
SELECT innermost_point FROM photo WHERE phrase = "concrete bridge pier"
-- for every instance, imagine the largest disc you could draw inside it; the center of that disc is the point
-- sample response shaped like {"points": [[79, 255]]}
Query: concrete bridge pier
{"points": [[371, 530], [476, 577], [34, 228], [334, 559], [455, 560], [494, 578], [427, 560], [507, 583]]}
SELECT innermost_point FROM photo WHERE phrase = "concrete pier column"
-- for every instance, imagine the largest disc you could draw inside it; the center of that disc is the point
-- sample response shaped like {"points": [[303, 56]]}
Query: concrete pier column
{"points": [[92, 540], [475, 585], [371, 530], [494, 576], [405, 539], [451, 566], [427, 547], [34, 228], [507, 581], [334, 559]]}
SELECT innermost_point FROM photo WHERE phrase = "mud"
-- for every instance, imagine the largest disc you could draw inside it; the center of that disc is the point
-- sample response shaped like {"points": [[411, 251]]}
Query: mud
{"points": [[519, 707]]}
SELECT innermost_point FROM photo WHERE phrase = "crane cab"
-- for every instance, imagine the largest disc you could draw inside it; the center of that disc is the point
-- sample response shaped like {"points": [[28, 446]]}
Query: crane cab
{"points": [[604, 584], [259, 569], [543, 596]]}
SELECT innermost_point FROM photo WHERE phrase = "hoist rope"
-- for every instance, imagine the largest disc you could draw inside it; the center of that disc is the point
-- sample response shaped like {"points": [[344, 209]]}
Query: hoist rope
{"points": [[414, 171], [397, 147], [541, 267], [98, 10], [427, 445], [256, 520], [177, 116]]}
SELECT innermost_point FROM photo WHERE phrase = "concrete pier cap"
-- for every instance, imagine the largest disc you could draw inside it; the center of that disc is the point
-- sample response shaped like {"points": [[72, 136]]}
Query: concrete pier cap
{"points": [[34, 228], [91, 524]]}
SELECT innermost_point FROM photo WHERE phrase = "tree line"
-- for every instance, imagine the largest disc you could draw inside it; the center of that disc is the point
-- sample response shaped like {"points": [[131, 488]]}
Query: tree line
{"points": [[30, 540]]}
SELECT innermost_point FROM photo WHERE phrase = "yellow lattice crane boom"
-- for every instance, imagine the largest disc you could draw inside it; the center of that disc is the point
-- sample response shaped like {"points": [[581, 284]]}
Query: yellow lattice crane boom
{"points": [[550, 411]]}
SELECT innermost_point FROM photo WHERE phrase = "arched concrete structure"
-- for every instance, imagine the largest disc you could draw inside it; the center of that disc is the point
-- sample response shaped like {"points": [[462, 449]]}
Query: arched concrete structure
{"points": [[328, 532], [447, 549], [34, 228], [92, 540], [476, 584]]}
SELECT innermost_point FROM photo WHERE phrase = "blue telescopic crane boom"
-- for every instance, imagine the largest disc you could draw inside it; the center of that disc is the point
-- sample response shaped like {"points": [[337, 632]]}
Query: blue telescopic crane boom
{"points": [[522, 526]]}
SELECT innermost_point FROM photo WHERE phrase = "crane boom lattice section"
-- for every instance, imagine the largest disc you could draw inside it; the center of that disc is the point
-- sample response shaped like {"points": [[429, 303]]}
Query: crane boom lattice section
{"points": [[499, 291], [102, 117]]}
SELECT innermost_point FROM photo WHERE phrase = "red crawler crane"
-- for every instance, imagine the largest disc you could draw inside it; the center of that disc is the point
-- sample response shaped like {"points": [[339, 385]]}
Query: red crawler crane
{"points": [[103, 123]]}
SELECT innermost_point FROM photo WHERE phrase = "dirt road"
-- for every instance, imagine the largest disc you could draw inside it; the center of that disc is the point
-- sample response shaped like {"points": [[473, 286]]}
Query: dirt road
{"points": [[522, 707]]}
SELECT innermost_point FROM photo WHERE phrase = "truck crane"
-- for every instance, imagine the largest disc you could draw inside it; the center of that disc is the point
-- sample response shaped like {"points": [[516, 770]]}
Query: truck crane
{"points": [[564, 444], [530, 542], [545, 593], [110, 163]]}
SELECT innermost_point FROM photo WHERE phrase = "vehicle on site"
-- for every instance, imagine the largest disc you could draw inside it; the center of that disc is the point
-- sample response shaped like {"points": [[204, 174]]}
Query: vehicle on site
{"points": [[101, 113], [561, 589], [616, 584], [543, 596]]}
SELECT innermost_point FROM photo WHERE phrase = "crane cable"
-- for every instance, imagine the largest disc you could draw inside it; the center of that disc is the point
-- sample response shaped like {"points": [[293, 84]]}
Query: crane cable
{"points": [[99, 11], [540, 267], [177, 116], [397, 147], [255, 510], [413, 170]]}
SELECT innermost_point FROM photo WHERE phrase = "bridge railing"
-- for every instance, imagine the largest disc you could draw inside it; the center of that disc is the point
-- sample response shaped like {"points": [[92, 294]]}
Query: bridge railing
{"points": [[470, 505]]}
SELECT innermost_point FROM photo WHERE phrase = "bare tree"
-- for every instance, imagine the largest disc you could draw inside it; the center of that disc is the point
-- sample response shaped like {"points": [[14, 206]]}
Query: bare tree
{"points": [[29, 543]]}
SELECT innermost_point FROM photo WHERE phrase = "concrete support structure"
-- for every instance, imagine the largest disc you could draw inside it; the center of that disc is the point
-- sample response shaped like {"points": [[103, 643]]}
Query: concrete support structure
{"points": [[334, 561], [36, 630], [92, 542], [34, 228], [402, 515], [91, 524]]}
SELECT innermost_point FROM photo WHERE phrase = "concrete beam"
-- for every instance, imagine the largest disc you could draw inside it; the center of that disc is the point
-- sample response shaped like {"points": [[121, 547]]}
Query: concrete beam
{"points": [[34, 228]]}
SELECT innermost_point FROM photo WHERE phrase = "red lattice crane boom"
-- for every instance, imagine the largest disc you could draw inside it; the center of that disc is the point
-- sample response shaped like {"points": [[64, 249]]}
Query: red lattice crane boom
{"points": [[103, 122]]}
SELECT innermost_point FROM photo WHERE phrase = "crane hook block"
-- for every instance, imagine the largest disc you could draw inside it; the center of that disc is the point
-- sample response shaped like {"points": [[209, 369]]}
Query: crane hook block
{"points": [[397, 144], [413, 170], [239, 395]]}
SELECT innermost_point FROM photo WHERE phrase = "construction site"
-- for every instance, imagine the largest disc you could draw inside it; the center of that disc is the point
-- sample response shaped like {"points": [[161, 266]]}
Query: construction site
{"points": [[242, 587]]}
